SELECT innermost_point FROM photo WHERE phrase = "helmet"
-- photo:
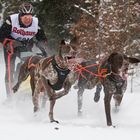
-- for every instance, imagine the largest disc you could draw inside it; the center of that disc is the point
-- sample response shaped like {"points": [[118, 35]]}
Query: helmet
{"points": [[26, 8]]}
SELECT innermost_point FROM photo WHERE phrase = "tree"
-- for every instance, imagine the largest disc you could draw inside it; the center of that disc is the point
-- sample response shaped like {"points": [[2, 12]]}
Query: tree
{"points": [[100, 26], [86, 29], [114, 28]]}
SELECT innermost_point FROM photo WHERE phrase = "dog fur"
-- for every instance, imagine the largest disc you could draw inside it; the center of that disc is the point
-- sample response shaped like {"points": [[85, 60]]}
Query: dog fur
{"points": [[114, 83], [45, 76]]}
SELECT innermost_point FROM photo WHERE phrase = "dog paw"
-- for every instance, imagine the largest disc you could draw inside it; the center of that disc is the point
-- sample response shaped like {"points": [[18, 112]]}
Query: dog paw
{"points": [[14, 90], [109, 124], [54, 121], [96, 97], [36, 109]]}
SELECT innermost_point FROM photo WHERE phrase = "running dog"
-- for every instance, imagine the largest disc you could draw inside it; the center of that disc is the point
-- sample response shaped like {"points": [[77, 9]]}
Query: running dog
{"points": [[50, 74], [113, 80]]}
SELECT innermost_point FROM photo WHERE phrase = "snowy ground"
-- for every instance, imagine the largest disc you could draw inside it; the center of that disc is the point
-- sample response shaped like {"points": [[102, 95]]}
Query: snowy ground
{"points": [[17, 121]]}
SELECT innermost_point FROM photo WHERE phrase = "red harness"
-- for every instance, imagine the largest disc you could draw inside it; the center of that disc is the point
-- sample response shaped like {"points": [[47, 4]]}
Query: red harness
{"points": [[30, 64], [10, 41], [99, 74]]}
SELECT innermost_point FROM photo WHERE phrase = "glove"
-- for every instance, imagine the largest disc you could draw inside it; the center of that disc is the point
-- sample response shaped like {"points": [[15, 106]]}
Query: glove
{"points": [[9, 48]]}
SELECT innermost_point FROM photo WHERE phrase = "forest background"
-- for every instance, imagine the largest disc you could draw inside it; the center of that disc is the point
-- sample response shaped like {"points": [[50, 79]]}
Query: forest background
{"points": [[97, 27]]}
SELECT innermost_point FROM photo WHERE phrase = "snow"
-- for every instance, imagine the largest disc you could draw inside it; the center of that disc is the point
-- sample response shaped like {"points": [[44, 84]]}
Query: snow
{"points": [[84, 10], [17, 121]]}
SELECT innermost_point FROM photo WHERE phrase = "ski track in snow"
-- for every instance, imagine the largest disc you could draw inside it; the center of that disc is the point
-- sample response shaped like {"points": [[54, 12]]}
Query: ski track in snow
{"points": [[17, 120]]}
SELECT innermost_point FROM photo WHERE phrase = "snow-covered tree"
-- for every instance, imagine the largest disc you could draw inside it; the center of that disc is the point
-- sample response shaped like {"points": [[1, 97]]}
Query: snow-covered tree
{"points": [[116, 27]]}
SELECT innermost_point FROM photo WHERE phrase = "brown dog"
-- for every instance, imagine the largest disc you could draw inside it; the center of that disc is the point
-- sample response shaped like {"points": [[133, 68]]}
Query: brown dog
{"points": [[50, 74], [114, 84]]}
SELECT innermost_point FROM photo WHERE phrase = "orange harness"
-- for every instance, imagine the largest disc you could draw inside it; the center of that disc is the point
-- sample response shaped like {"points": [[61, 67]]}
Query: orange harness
{"points": [[5, 42], [30, 64], [100, 73]]}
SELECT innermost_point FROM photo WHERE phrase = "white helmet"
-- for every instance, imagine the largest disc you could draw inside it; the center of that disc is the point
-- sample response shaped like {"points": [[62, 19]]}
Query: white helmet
{"points": [[26, 8]]}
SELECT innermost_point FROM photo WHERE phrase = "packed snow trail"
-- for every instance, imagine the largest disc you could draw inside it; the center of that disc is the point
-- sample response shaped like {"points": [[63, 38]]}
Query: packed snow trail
{"points": [[17, 120]]}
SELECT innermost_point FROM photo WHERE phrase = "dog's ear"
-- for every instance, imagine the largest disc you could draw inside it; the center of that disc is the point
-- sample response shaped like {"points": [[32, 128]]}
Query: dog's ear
{"points": [[131, 59], [63, 42], [60, 47]]}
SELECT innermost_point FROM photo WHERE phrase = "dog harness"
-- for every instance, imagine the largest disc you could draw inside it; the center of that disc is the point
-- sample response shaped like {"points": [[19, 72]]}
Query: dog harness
{"points": [[62, 74]]}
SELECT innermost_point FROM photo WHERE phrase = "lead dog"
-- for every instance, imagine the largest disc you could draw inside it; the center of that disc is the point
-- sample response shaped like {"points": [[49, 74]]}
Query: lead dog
{"points": [[114, 83], [50, 74]]}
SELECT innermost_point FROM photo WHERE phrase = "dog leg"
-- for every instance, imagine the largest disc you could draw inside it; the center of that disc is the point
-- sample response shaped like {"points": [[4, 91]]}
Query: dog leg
{"points": [[118, 99], [80, 100], [60, 94], [52, 103], [107, 100], [47, 88], [44, 99], [35, 97], [32, 82], [97, 93], [23, 74], [67, 86]]}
